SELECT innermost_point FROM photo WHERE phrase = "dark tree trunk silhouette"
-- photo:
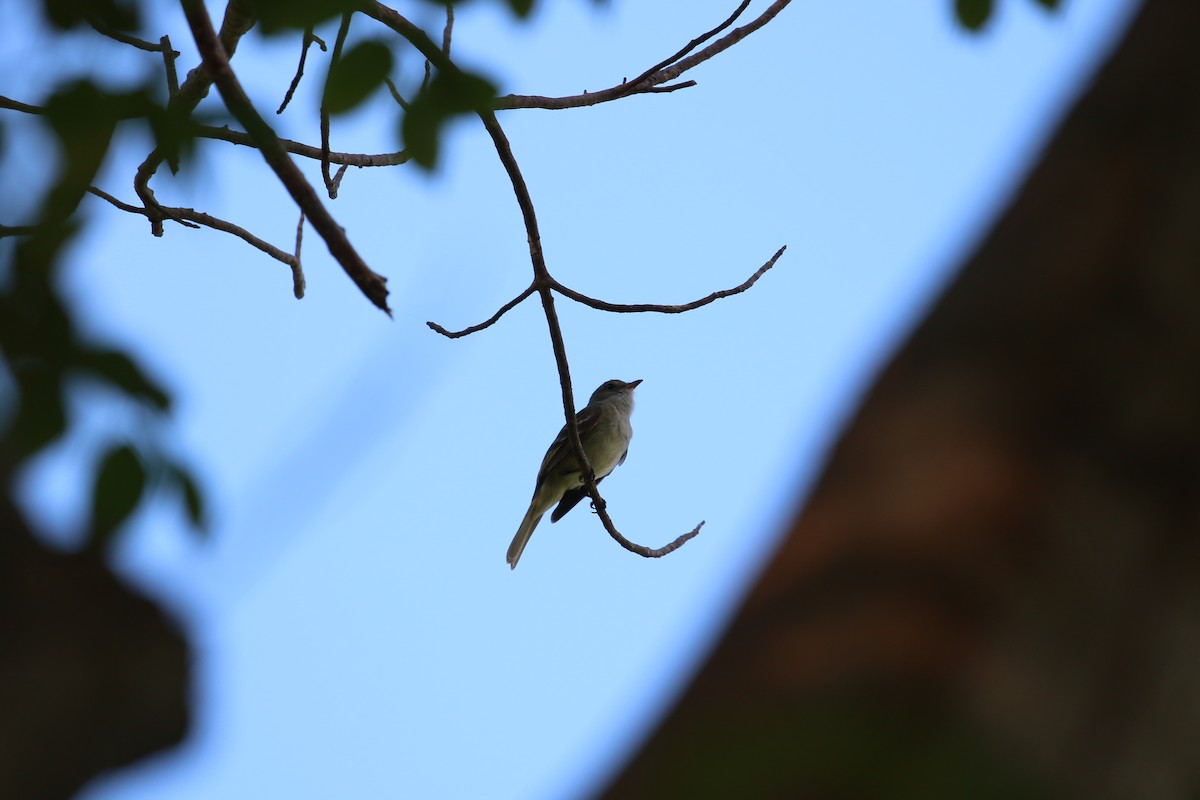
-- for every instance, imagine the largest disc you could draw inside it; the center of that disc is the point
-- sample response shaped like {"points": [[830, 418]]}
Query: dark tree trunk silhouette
{"points": [[994, 590], [93, 676]]}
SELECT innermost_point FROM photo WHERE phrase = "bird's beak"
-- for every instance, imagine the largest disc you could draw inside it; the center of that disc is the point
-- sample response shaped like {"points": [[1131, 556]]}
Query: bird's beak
{"points": [[633, 384]]}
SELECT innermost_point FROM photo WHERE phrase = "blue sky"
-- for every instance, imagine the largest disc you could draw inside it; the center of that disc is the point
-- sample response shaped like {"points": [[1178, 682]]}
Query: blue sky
{"points": [[357, 632]]}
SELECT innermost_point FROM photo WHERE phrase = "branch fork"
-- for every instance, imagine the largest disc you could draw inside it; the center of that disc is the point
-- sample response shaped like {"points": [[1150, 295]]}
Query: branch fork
{"points": [[216, 49]]}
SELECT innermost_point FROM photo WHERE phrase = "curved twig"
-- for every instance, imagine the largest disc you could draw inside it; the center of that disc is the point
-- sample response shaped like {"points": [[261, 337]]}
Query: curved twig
{"points": [[196, 219], [504, 309], [633, 308], [104, 29], [308, 39], [674, 67]]}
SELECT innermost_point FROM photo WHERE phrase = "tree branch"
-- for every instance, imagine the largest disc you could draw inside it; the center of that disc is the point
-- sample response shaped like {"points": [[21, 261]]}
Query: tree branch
{"points": [[298, 283], [687, 48], [100, 27], [631, 308], [542, 281], [236, 23], [195, 219], [332, 183], [543, 284], [372, 284], [671, 68], [307, 150], [17, 105], [504, 309], [448, 30], [308, 39], [169, 55]]}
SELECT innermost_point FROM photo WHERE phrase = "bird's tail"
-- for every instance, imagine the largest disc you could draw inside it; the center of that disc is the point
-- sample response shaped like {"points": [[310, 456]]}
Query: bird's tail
{"points": [[532, 518]]}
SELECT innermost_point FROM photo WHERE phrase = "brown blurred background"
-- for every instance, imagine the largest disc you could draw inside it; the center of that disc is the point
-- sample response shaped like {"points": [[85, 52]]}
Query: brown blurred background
{"points": [[994, 590]]}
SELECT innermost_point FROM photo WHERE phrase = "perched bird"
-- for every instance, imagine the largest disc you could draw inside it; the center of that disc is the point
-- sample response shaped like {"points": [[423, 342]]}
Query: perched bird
{"points": [[604, 431]]}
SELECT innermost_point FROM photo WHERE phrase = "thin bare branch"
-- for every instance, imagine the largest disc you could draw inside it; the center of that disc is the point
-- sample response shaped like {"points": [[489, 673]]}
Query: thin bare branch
{"points": [[672, 87], [449, 29], [306, 150], [646, 82], [400, 101], [103, 195], [100, 27], [446, 34], [169, 55], [17, 105], [336, 183], [308, 39], [504, 309], [632, 308], [174, 216], [687, 48], [298, 272], [542, 284], [195, 219], [331, 183], [373, 285], [236, 23]]}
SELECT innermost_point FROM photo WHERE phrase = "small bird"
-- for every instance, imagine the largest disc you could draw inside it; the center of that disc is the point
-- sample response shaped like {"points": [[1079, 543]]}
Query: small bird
{"points": [[604, 431]]}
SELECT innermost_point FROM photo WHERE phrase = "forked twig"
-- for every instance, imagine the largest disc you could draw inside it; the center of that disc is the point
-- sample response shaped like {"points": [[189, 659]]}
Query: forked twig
{"points": [[667, 70], [373, 285], [308, 39], [196, 219], [543, 283]]}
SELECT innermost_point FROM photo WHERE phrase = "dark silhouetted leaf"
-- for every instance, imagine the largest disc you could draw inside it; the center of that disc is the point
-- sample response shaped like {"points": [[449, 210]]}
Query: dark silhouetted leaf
{"points": [[120, 482], [448, 94], [65, 14], [41, 415], [83, 120], [1052, 5], [973, 14], [420, 128], [461, 92], [119, 369], [358, 73], [521, 7], [189, 491], [173, 133], [276, 16]]}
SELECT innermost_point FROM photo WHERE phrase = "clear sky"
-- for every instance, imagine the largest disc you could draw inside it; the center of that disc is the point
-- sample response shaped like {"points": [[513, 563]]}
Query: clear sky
{"points": [[357, 632]]}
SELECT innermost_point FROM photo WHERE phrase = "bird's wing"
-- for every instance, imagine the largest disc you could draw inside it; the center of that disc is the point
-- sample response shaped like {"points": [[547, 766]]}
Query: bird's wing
{"points": [[570, 499], [560, 448]]}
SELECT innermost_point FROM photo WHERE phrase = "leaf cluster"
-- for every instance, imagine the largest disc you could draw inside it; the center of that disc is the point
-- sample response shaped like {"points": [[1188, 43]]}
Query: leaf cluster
{"points": [[42, 350]]}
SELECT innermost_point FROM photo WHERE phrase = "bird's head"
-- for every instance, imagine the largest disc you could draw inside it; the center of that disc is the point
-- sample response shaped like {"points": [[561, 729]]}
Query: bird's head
{"points": [[613, 387]]}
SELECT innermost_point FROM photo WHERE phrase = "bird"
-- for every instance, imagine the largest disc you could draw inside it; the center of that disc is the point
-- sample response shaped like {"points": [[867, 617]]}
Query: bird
{"points": [[604, 431]]}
